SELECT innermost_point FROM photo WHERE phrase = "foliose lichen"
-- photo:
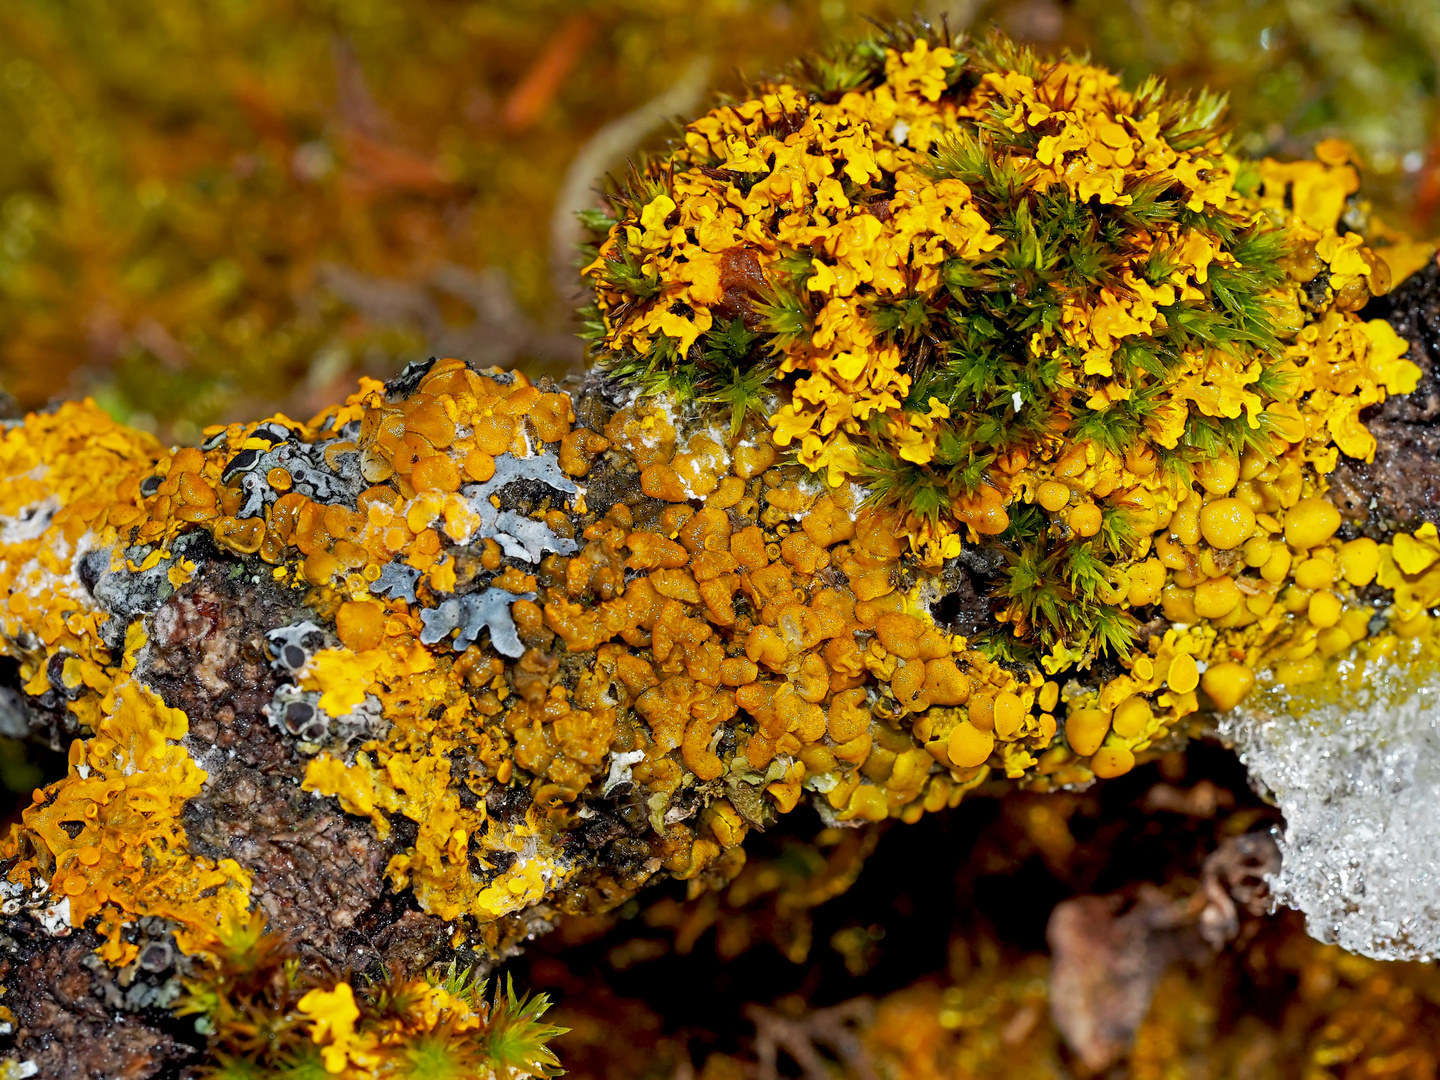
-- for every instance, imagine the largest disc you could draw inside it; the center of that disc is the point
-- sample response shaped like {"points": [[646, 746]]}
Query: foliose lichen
{"points": [[923, 322]]}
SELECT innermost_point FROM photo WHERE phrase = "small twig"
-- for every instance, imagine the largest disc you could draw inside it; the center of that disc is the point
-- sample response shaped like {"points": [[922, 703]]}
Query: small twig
{"points": [[801, 1038]]}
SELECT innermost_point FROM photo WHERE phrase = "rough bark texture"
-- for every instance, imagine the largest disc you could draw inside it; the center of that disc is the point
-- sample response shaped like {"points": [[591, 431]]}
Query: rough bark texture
{"points": [[1400, 489], [72, 1014], [318, 873]]}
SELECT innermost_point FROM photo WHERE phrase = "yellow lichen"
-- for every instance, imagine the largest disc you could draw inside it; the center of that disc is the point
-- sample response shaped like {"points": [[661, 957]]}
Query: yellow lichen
{"points": [[741, 626], [125, 788]]}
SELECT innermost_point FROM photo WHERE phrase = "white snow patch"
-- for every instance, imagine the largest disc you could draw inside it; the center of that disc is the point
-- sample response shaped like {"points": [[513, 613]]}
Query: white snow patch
{"points": [[1357, 776]]}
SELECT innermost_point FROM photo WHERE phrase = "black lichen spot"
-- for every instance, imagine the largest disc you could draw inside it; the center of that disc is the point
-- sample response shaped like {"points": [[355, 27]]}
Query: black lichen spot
{"points": [[157, 956], [404, 384], [301, 719], [92, 565], [244, 461], [273, 433]]}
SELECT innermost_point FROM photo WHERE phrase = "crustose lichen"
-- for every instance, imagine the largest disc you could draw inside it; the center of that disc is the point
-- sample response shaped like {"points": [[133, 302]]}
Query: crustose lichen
{"points": [[926, 299]]}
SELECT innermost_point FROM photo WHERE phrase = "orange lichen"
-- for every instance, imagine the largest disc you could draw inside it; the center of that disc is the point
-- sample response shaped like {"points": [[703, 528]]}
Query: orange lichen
{"points": [[732, 630], [108, 836], [1156, 428]]}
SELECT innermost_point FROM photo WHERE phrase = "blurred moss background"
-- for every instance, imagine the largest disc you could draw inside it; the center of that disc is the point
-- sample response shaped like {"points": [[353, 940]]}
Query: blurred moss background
{"points": [[210, 209]]}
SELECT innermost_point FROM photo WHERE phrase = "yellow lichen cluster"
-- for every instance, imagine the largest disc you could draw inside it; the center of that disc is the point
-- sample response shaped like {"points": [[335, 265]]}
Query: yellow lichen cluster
{"points": [[106, 839], [1410, 566], [1244, 559], [1172, 469], [726, 630], [765, 636], [56, 469], [130, 859], [850, 185]]}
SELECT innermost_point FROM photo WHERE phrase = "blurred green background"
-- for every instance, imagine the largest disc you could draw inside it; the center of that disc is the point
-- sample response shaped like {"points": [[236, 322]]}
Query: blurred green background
{"points": [[210, 209]]}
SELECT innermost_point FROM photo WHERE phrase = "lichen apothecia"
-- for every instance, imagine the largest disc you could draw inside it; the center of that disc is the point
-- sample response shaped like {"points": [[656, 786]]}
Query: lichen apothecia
{"points": [[922, 323], [1030, 311]]}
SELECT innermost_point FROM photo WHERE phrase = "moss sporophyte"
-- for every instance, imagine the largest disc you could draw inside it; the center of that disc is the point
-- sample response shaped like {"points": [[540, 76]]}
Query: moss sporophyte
{"points": [[920, 313]]}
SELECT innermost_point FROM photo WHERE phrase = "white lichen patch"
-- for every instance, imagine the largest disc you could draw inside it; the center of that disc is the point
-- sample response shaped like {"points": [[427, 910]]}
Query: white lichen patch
{"points": [[620, 764], [30, 523], [55, 919]]}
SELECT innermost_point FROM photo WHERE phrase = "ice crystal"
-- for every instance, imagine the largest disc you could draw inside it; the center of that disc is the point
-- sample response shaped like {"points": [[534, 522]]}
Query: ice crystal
{"points": [[1357, 778]]}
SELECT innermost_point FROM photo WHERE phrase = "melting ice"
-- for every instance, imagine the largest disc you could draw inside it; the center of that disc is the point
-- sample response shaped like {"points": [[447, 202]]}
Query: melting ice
{"points": [[1357, 775]]}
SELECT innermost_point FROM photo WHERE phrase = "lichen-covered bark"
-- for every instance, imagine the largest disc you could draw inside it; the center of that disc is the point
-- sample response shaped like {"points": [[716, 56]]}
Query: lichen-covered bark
{"points": [[463, 656], [207, 647], [1400, 489], [318, 873]]}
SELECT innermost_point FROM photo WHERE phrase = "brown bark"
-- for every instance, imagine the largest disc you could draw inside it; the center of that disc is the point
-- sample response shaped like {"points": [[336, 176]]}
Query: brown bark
{"points": [[1400, 489]]}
